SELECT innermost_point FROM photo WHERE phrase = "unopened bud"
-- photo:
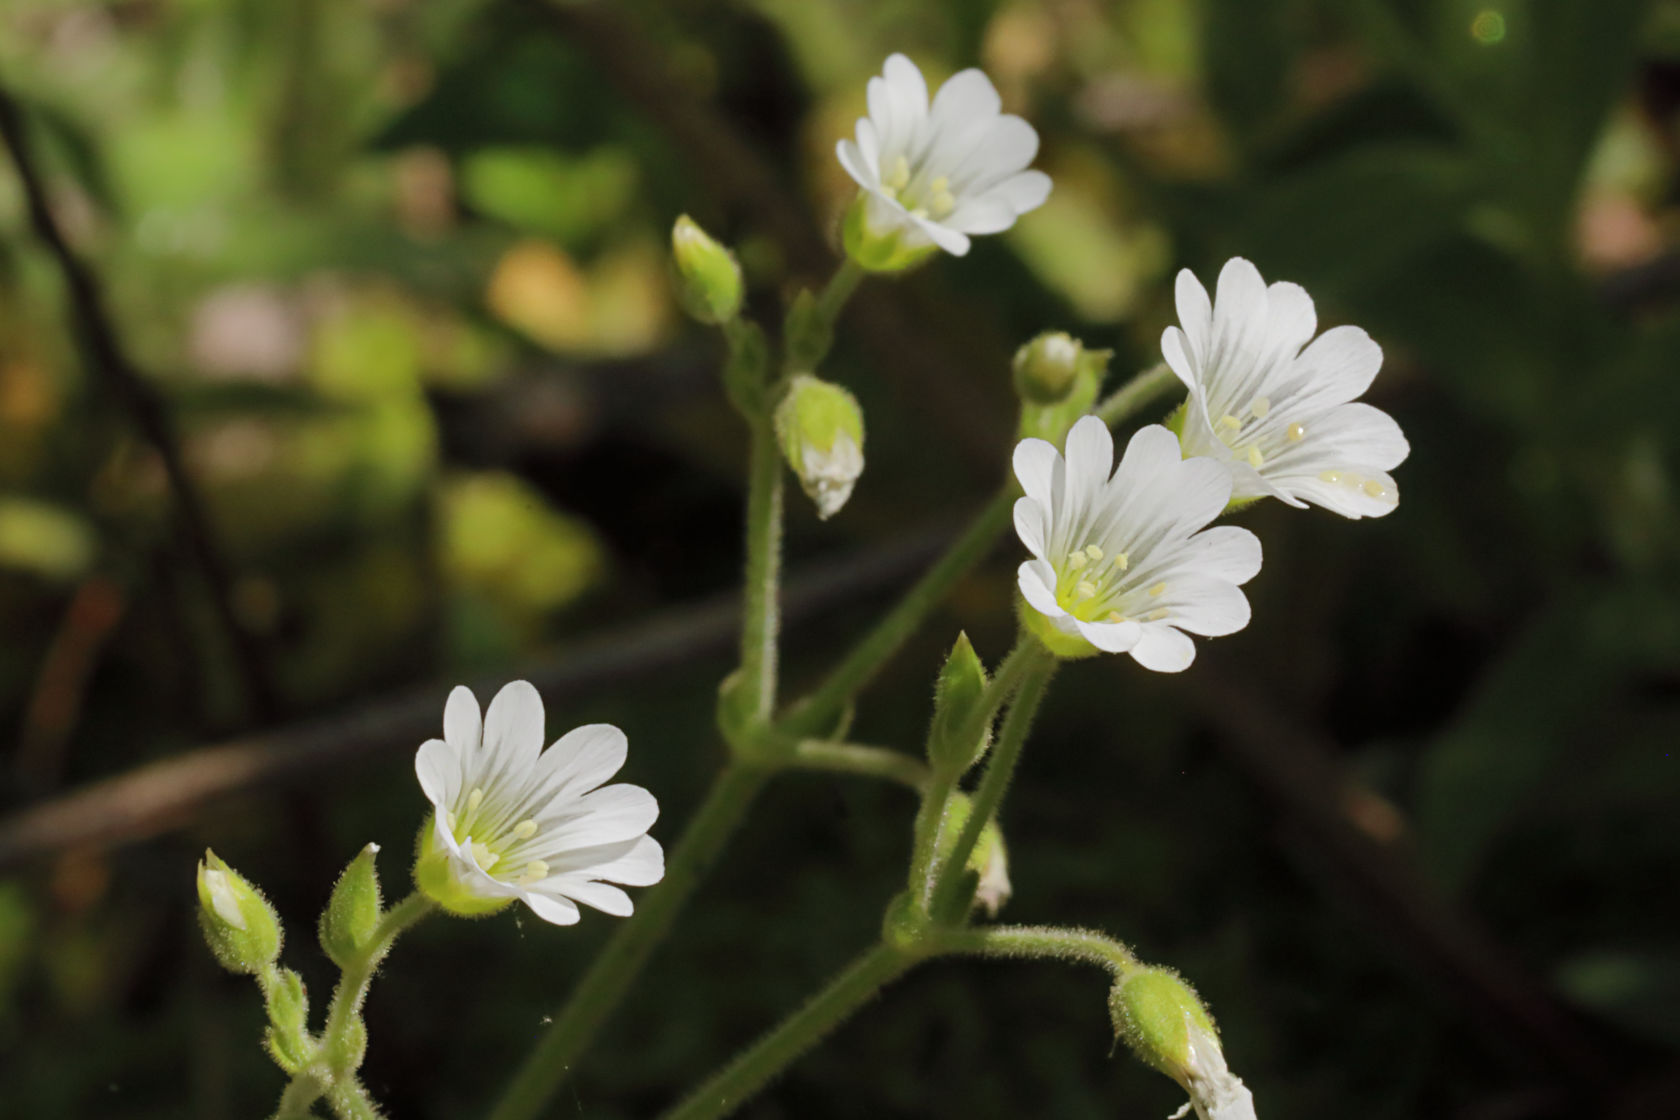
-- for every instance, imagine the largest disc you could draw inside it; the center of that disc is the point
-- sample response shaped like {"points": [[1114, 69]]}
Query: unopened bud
{"points": [[709, 279], [986, 873], [288, 1017], [820, 429], [352, 914], [1057, 379], [241, 928], [1165, 1025], [956, 702]]}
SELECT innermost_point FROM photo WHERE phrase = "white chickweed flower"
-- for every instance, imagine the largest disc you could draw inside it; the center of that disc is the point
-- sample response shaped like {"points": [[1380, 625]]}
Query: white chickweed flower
{"points": [[1282, 418], [931, 175], [513, 821], [1119, 564]]}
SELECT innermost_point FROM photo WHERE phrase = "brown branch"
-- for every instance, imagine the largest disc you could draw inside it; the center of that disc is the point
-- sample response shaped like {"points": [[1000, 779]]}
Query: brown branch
{"points": [[164, 795], [1360, 839], [55, 704], [109, 363]]}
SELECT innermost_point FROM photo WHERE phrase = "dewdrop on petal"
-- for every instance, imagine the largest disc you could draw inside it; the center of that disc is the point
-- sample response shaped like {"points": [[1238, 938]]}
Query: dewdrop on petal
{"points": [[1166, 1027], [820, 429], [512, 821]]}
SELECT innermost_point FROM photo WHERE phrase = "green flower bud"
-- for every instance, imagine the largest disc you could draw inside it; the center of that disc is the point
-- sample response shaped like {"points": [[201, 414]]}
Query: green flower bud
{"points": [[709, 279], [241, 928], [820, 428], [879, 249], [352, 914], [1166, 1026], [956, 701], [1057, 379]]}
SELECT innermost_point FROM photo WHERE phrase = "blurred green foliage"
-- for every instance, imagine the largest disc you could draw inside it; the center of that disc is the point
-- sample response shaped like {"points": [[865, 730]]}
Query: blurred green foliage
{"points": [[397, 266]]}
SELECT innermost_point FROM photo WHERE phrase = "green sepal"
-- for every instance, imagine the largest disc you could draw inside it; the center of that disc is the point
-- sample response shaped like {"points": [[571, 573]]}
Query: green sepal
{"points": [[239, 925], [878, 252], [956, 703], [437, 881], [352, 915], [1068, 647], [287, 1038], [1154, 1011]]}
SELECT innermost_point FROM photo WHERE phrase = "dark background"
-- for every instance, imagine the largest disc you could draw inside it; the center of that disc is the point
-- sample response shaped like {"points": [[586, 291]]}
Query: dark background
{"points": [[396, 272]]}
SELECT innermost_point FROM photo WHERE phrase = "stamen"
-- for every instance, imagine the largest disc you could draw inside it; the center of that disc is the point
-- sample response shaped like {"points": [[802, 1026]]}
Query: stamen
{"points": [[1374, 488], [485, 857], [525, 829], [1077, 560], [900, 176], [1114, 616], [1255, 458], [942, 203], [1157, 591], [535, 870], [1157, 614], [1297, 433], [940, 185], [1332, 477], [1122, 561], [1260, 406], [1231, 422], [1085, 589], [449, 819], [919, 212], [474, 800], [1093, 552]]}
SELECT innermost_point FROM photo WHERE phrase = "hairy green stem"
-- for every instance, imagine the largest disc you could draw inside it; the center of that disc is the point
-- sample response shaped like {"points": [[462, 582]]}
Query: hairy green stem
{"points": [[822, 708], [353, 984], [1000, 768], [299, 1097], [1037, 943], [761, 616], [855, 758], [838, 290], [1127, 400], [757, 1065], [616, 966], [350, 1101]]}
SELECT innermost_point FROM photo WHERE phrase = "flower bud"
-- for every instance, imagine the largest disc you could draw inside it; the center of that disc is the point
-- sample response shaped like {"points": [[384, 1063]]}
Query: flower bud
{"points": [[1057, 379], [709, 279], [352, 914], [956, 701], [288, 1017], [820, 428], [1165, 1025], [241, 928], [986, 874]]}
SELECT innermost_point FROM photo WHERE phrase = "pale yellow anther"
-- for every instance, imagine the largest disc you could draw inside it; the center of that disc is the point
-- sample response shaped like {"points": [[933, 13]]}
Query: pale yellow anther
{"points": [[1374, 488], [900, 176], [1085, 589], [919, 212], [525, 829], [1157, 591], [1260, 406], [1230, 422], [485, 857], [449, 819], [1122, 561], [474, 800], [1331, 477], [535, 870], [1255, 458], [1114, 616], [1157, 614], [1297, 433], [942, 203], [1077, 560], [940, 185], [1093, 552]]}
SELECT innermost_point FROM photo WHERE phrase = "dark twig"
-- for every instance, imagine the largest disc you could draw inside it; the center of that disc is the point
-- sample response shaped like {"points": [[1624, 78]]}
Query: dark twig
{"points": [[108, 362], [164, 795]]}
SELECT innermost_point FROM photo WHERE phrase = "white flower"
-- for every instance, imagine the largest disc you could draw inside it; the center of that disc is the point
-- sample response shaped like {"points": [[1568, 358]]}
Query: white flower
{"points": [[1279, 416], [513, 821], [1215, 1092], [1118, 562], [932, 175]]}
